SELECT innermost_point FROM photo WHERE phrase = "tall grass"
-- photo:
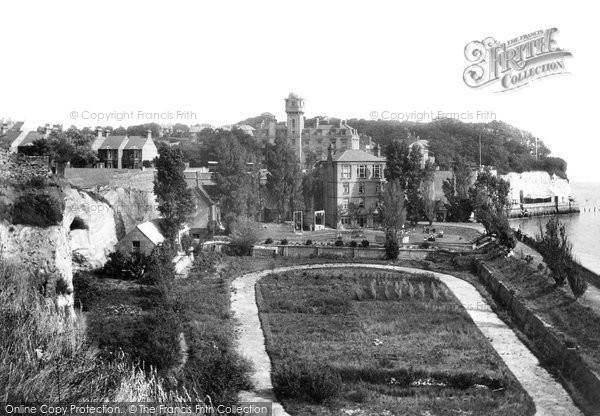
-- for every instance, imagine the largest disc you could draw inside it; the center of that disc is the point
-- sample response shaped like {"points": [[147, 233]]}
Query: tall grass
{"points": [[44, 357]]}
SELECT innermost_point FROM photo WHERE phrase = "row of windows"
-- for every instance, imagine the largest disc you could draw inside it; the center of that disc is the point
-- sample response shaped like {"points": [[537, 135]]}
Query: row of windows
{"points": [[362, 187], [360, 202], [361, 171]]}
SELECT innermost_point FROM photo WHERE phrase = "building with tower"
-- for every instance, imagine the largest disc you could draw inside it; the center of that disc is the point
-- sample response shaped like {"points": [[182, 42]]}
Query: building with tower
{"points": [[315, 136]]}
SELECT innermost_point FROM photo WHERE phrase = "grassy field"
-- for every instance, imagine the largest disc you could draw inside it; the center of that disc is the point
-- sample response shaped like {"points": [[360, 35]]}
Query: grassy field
{"points": [[363, 341]]}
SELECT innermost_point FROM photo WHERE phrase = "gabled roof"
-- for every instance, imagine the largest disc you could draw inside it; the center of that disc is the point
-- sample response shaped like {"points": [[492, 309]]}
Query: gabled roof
{"points": [[202, 192], [136, 142], [9, 137], [352, 155], [113, 142], [152, 230], [31, 137]]}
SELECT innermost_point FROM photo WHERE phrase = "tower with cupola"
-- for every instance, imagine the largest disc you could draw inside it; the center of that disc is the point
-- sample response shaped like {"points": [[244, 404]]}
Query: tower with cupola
{"points": [[294, 108]]}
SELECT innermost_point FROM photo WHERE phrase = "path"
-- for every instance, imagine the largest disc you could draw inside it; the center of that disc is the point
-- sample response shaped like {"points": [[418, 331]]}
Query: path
{"points": [[548, 395]]}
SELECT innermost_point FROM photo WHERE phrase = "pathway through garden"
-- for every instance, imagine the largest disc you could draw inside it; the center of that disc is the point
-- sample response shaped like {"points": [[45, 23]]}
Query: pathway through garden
{"points": [[549, 396]]}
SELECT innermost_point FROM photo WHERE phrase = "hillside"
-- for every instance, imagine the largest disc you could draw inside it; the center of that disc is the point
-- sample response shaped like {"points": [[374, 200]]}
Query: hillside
{"points": [[505, 147]]}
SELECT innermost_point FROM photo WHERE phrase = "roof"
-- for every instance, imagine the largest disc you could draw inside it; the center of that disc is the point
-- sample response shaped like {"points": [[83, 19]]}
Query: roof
{"points": [[113, 142], [151, 229], [30, 138], [201, 191], [9, 137], [352, 155], [212, 191], [295, 96], [136, 142]]}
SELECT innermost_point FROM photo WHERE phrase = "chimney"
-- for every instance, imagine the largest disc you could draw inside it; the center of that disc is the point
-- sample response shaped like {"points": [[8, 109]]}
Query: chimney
{"points": [[106, 133], [99, 132], [3, 129], [377, 150], [149, 134], [47, 129], [341, 123], [316, 122]]}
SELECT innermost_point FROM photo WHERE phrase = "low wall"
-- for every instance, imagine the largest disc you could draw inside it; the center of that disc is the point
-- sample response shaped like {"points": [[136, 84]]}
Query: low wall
{"points": [[553, 346], [373, 253]]}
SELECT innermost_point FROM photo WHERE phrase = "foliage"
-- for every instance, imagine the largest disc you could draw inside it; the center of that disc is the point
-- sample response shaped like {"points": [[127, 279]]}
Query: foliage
{"points": [[456, 191], [244, 235], [312, 381], [175, 199], [392, 248], [308, 242], [269, 240], [556, 249], [124, 266], [206, 261], [353, 243], [339, 243], [284, 242], [428, 191], [365, 243], [39, 209], [489, 197], [159, 268], [392, 208], [73, 146], [285, 179], [187, 241], [505, 147]]}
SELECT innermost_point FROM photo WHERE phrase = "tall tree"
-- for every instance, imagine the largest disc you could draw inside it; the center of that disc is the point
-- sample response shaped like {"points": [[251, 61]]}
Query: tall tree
{"points": [[414, 178], [392, 208], [428, 191], [285, 179], [456, 191], [175, 199]]}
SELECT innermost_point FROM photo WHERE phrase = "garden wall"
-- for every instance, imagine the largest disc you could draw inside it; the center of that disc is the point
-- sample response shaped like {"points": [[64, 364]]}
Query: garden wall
{"points": [[373, 253], [554, 346]]}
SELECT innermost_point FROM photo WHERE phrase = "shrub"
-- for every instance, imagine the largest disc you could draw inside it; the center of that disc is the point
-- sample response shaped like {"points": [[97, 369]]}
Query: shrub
{"points": [[158, 267], [37, 182], [38, 210], [124, 266], [244, 234], [308, 242], [206, 261], [353, 243], [146, 164], [269, 241], [425, 244], [312, 381], [365, 243], [339, 243], [187, 241], [284, 242], [84, 291]]}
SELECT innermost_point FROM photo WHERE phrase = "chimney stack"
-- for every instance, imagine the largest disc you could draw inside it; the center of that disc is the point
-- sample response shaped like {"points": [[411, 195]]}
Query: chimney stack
{"points": [[316, 122], [3, 129], [106, 133], [47, 129], [341, 123], [149, 134], [99, 132], [377, 150]]}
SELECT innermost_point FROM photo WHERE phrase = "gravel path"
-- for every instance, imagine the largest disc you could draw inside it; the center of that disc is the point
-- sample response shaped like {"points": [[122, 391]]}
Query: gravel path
{"points": [[549, 396]]}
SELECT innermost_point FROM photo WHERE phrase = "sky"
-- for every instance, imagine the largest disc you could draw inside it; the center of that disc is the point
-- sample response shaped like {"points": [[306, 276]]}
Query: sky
{"points": [[221, 62]]}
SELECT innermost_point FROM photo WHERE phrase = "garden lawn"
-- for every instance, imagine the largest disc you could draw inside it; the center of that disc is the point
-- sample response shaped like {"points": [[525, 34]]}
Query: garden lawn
{"points": [[349, 340]]}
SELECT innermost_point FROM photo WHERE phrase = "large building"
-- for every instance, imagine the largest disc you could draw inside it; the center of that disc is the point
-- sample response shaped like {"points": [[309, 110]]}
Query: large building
{"points": [[352, 179], [316, 137]]}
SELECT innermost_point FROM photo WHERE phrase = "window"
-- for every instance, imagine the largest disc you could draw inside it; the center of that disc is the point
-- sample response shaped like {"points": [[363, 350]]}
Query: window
{"points": [[135, 246], [345, 220], [361, 187], [345, 203], [346, 171], [378, 188], [346, 188], [362, 171], [377, 171], [361, 202]]}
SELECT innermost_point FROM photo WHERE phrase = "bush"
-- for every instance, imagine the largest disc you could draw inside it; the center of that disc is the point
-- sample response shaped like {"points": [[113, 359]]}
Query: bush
{"points": [[353, 243], [425, 244], [187, 241], [308, 242], [158, 266], [244, 234], [284, 242], [365, 243], [124, 266], [339, 243], [146, 164], [206, 261], [269, 241], [311, 381], [85, 291], [38, 210]]}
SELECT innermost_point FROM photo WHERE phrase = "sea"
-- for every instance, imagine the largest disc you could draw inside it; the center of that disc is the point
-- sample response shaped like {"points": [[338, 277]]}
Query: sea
{"points": [[583, 228]]}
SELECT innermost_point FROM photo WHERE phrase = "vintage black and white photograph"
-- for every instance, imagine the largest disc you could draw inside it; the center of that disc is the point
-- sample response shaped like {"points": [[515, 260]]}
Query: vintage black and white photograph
{"points": [[299, 208]]}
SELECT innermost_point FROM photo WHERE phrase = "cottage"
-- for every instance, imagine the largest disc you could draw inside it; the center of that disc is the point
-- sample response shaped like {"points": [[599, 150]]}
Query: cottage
{"points": [[144, 238]]}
